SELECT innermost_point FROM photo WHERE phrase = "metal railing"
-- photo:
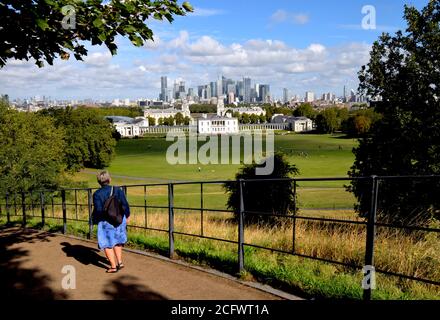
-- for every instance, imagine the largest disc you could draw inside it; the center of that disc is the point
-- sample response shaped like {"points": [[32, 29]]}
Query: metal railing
{"points": [[44, 199]]}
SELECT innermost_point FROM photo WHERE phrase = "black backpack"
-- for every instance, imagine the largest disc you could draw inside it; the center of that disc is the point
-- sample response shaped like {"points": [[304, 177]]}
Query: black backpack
{"points": [[113, 211]]}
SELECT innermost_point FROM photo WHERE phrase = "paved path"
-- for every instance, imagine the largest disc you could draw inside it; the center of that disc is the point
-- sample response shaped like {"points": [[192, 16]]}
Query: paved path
{"points": [[31, 265]]}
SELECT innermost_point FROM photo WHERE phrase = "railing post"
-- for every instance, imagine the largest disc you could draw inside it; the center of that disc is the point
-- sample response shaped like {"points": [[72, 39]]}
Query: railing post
{"points": [[369, 276], [76, 204], [241, 230], [145, 207], [8, 214], [42, 208], [294, 217], [171, 220], [15, 204], [63, 204], [89, 206], [201, 208], [23, 208]]}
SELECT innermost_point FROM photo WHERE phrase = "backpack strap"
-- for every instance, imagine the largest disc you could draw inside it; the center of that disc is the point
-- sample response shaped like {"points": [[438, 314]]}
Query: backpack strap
{"points": [[111, 192]]}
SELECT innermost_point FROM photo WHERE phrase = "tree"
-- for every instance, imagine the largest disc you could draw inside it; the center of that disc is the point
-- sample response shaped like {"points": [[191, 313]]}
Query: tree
{"points": [[168, 121], [305, 110], [254, 118], [151, 121], [327, 121], [202, 108], [161, 121], [31, 151], [179, 119], [262, 118], [403, 76], [186, 121], [245, 118], [359, 122], [89, 137], [274, 197], [45, 29]]}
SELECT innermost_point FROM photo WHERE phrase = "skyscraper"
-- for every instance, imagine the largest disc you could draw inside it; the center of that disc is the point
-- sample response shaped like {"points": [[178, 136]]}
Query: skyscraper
{"points": [[214, 89], [247, 90], [286, 95], [264, 93], [309, 97], [163, 89]]}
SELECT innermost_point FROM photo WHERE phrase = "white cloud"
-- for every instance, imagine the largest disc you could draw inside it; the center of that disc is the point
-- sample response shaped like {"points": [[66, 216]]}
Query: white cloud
{"points": [[153, 44], [98, 59], [301, 18], [205, 46], [281, 16], [204, 12], [180, 41], [197, 60]]}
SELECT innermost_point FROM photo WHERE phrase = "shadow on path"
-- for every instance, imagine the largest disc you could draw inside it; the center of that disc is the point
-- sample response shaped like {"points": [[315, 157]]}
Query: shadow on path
{"points": [[85, 255], [126, 288], [16, 281]]}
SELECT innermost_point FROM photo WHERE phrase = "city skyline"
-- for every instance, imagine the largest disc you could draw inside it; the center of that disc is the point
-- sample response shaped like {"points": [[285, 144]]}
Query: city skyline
{"points": [[301, 46]]}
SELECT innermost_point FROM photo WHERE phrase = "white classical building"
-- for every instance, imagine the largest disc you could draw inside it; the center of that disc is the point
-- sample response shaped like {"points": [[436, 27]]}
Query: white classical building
{"points": [[250, 110], [129, 127], [214, 124], [296, 124], [220, 123], [166, 113]]}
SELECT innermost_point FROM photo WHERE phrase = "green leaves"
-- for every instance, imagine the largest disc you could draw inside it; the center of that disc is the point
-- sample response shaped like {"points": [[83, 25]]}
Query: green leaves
{"points": [[137, 41], [187, 6], [98, 23], [42, 24], [94, 22]]}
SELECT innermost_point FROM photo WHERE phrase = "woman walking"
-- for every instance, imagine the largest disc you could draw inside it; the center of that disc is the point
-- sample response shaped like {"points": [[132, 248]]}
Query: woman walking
{"points": [[111, 239]]}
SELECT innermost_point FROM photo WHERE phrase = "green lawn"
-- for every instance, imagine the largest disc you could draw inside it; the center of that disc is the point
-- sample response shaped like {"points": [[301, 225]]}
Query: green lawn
{"points": [[140, 161], [314, 155]]}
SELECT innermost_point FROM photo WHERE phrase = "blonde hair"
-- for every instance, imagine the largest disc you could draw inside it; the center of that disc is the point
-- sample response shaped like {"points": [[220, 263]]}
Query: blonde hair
{"points": [[103, 178]]}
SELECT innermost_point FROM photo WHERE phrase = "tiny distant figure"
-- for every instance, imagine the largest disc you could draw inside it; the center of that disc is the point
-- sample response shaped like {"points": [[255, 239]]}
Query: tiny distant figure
{"points": [[111, 238], [200, 169], [340, 148]]}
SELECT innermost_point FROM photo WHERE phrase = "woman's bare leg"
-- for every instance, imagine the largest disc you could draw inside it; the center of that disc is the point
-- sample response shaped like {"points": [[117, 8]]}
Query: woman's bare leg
{"points": [[118, 253], [110, 254]]}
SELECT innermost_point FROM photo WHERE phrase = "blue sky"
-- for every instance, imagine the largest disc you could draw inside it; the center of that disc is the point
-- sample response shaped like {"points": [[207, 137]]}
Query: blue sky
{"points": [[297, 44]]}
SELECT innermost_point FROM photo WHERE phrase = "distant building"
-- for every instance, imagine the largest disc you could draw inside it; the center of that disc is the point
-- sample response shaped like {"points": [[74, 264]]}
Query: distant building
{"points": [[166, 113], [286, 95], [296, 124], [251, 110], [264, 93], [129, 127], [309, 97], [163, 89], [215, 124], [220, 123], [247, 90]]}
